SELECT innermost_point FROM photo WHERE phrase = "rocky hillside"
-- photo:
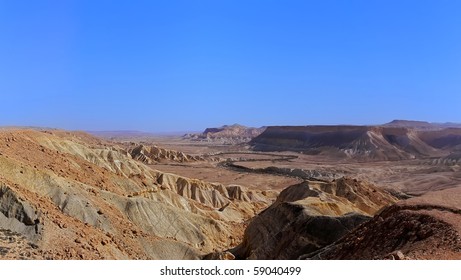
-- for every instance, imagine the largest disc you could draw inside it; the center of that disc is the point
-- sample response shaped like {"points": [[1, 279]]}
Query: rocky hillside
{"points": [[350, 219], [72, 196], [227, 134], [426, 227], [418, 125], [149, 154], [309, 216], [361, 142]]}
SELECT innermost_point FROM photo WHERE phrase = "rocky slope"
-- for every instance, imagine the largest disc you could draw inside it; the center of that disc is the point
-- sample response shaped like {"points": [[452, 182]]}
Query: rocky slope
{"points": [[421, 125], [360, 142], [68, 195], [73, 196], [426, 227], [453, 159], [309, 216]]}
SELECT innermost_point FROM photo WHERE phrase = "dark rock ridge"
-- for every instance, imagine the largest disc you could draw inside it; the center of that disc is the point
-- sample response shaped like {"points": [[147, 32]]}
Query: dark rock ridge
{"points": [[309, 216], [361, 142]]}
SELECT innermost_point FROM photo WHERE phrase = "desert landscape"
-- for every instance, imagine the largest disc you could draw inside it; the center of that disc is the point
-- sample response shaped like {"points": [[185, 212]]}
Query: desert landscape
{"points": [[387, 191]]}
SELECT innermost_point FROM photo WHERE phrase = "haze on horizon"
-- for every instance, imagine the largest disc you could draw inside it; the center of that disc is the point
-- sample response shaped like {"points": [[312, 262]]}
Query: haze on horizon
{"points": [[188, 65]]}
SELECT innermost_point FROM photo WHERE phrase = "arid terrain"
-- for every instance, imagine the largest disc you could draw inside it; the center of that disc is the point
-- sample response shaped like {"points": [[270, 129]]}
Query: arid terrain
{"points": [[314, 192]]}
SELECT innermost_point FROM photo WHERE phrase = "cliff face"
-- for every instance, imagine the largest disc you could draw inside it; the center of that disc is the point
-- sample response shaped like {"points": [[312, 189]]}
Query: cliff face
{"points": [[362, 142]]}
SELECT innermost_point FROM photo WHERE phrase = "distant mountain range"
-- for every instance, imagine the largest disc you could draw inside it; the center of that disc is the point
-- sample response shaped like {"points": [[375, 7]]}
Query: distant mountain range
{"points": [[393, 141], [396, 140], [421, 125]]}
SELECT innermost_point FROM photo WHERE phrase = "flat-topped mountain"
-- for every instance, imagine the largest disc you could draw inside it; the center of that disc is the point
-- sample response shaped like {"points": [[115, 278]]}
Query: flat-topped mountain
{"points": [[421, 125], [362, 142], [228, 134], [149, 154], [70, 195]]}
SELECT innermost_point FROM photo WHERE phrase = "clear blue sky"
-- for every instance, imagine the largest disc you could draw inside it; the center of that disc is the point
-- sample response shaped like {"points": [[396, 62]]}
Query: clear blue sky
{"points": [[187, 65]]}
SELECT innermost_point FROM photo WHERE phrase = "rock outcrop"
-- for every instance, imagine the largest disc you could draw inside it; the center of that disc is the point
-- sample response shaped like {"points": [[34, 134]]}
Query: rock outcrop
{"points": [[152, 154], [309, 216]]}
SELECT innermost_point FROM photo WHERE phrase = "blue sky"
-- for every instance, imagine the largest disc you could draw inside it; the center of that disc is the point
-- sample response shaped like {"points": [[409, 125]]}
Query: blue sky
{"points": [[187, 65]]}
